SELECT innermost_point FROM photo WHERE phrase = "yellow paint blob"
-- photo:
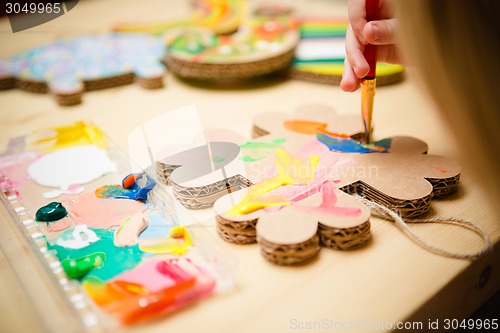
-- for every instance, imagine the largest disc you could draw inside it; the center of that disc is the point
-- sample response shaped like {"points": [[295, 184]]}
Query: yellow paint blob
{"points": [[74, 135], [291, 171], [178, 242]]}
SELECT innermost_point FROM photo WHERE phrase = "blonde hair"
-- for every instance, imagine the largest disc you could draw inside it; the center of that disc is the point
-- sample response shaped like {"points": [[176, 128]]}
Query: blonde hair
{"points": [[454, 45]]}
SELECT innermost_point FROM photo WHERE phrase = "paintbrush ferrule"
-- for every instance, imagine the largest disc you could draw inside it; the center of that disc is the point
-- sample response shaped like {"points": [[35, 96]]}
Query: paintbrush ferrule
{"points": [[367, 97]]}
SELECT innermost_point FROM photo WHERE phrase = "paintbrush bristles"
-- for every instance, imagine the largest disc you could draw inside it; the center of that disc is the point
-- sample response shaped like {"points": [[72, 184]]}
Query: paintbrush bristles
{"points": [[367, 96]]}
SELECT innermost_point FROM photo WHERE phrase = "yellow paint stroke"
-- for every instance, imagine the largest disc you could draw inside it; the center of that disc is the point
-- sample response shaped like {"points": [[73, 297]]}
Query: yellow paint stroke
{"points": [[291, 171], [178, 242], [74, 135], [128, 232]]}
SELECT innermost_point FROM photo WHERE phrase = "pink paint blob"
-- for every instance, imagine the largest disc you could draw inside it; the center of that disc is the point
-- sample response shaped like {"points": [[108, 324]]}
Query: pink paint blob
{"points": [[329, 203], [14, 167], [101, 213], [147, 275], [328, 164]]}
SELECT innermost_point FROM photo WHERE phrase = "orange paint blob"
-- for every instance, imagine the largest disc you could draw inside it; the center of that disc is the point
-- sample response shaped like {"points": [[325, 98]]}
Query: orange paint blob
{"points": [[334, 135], [304, 126]]}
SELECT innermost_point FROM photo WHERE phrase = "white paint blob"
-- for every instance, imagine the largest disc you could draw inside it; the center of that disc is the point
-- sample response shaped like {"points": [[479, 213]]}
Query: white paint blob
{"points": [[73, 189], [80, 237], [69, 166]]}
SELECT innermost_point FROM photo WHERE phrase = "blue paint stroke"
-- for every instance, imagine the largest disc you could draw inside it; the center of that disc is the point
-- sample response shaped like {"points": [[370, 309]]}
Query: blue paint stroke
{"points": [[352, 146]]}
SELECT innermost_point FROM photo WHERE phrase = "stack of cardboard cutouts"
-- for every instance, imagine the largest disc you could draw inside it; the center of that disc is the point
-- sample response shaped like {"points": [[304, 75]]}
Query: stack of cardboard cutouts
{"points": [[261, 46], [73, 65], [215, 42], [291, 218], [223, 17], [200, 175]]}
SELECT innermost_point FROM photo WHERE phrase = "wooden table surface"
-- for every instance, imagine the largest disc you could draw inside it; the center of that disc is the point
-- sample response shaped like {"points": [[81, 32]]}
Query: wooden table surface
{"points": [[390, 280]]}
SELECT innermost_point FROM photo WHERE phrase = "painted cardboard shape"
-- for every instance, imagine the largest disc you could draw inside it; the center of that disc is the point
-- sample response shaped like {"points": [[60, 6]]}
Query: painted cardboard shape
{"points": [[404, 179], [221, 17], [306, 120], [265, 45], [73, 65], [200, 175], [293, 234]]}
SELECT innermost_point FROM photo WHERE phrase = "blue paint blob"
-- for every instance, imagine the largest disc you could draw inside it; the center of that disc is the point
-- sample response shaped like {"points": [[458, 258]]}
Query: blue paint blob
{"points": [[158, 227], [134, 187], [352, 146]]}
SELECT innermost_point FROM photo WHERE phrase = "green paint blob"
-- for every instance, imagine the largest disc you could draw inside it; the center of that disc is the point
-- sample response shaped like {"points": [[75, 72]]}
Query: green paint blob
{"points": [[78, 268], [117, 259], [52, 212], [274, 144], [218, 159], [257, 150]]}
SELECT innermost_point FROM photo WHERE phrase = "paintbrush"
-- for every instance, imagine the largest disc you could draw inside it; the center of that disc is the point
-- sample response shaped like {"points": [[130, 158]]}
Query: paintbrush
{"points": [[369, 81]]}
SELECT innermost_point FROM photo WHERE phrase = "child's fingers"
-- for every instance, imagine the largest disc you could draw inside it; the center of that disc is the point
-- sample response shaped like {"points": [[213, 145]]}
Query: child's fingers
{"points": [[382, 32], [349, 81], [354, 52]]}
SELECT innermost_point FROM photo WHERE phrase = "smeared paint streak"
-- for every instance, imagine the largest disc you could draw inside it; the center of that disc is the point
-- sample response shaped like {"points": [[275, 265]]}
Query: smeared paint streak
{"points": [[291, 170], [14, 167], [74, 135], [348, 145], [103, 293], [134, 187], [114, 192], [299, 192], [178, 242], [329, 203], [52, 212], [117, 259], [440, 169], [151, 276], [314, 147], [157, 227], [128, 232], [78, 268], [77, 238], [176, 283], [218, 159], [304, 126], [72, 189], [258, 150], [148, 275], [101, 213], [57, 226]]}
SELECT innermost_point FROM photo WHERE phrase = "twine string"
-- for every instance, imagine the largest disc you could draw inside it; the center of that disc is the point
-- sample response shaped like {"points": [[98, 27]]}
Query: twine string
{"points": [[388, 214]]}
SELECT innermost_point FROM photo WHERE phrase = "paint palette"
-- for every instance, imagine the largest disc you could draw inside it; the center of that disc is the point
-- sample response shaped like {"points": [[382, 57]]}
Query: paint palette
{"points": [[115, 244]]}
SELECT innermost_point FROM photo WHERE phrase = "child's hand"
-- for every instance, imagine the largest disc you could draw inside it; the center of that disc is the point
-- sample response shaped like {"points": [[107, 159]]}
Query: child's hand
{"points": [[360, 33]]}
